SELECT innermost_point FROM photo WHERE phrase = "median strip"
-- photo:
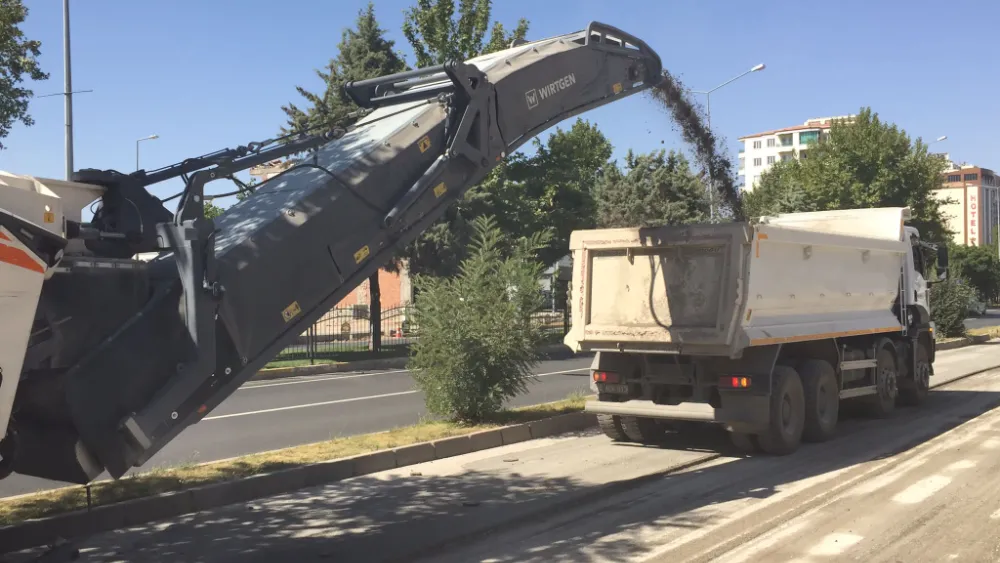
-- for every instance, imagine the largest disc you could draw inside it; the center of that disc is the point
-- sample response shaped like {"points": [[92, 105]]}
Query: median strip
{"points": [[41, 518]]}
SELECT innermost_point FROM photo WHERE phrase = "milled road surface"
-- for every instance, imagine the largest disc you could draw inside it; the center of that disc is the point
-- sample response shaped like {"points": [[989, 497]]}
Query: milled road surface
{"points": [[268, 415], [921, 485]]}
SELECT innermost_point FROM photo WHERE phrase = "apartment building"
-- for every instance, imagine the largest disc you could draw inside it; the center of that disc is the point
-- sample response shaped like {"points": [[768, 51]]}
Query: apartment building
{"points": [[761, 150], [973, 211]]}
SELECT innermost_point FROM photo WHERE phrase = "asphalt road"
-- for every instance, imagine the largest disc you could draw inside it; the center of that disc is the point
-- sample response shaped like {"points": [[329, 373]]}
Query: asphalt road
{"points": [[920, 485], [991, 318], [269, 415]]}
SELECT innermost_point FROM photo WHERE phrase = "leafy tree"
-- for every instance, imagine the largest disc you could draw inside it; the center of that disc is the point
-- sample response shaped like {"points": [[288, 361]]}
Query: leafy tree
{"points": [[552, 189], [438, 37], [18, 59], [363, 52], [979, 266], [778, 191], [863, 163], [655, 189], [949, 301], [212, 211], [478, 342]]}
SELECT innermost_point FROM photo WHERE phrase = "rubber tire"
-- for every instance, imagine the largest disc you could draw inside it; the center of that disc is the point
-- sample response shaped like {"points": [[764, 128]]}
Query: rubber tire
{"points": [[914, 393], [746, 443], [882, 405], [784, 439], [819, 382], [611, 425], [643, 430]]}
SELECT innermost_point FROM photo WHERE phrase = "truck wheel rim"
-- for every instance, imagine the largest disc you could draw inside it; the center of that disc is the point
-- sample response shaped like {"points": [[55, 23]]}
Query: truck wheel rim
{"points": [[887, 383], [923, 376]]}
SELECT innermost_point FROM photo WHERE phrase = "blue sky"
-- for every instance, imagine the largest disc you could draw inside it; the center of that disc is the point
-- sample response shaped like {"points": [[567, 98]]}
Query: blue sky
{"points": [[206, 75]]}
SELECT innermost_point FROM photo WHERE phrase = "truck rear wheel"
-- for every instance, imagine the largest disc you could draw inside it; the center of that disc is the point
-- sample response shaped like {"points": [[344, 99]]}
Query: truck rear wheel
{"points": [[611, 425], [643, 430], [787, 413], [883, 402], [914, 391], [822, 400]]}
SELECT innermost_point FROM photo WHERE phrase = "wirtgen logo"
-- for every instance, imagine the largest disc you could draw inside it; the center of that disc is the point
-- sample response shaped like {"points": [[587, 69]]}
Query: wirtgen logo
{"points": [[535, 95]]}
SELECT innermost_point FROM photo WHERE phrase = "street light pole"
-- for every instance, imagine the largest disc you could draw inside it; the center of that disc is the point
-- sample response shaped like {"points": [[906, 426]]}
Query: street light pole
{"points": [[68, 89], [137, 141], [708, 111]]}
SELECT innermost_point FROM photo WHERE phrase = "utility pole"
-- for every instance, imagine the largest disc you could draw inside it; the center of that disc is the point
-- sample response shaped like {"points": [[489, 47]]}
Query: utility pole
{"points": [[68, 91]]}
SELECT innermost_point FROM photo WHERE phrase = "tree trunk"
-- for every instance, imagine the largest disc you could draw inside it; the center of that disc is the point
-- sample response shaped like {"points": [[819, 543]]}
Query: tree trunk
{"points": [[375, 312]]}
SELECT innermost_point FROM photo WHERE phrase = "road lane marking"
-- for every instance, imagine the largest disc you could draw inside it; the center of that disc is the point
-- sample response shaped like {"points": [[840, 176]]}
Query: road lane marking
{"points": [[963, 464], [750, 551], [922, 490], [990, 444], [995, 515], [321, 404], [834, 544], [351, 400], [317, 379]]}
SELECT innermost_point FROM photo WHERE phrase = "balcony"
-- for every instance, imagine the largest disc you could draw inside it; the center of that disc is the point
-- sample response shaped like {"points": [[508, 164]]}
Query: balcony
{"points": [[785, 140]]}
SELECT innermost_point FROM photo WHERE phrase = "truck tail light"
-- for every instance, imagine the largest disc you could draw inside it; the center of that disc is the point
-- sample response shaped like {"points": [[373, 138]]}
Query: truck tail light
{"points": [[734, 382], [606, 377]]}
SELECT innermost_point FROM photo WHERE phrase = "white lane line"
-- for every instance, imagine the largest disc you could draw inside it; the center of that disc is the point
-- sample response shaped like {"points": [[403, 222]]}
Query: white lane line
{"points": [[834, 544], [922, 490], [963, 464], [751, 551], [322, 404], [351, 400], [319, 379], [995, 515]]}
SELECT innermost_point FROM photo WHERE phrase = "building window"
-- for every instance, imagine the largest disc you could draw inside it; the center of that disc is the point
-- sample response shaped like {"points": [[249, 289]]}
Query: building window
{"points": [[786, 140], [770, 160], [786, 156], [770, 142], [756, 144], [954, 177], [756, 162], [807, 137], [804, 154], [971, 177], [988, 180]]}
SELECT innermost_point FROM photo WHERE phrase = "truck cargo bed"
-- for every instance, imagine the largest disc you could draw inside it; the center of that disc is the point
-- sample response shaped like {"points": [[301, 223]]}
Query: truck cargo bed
{"points": [[715, 289]]}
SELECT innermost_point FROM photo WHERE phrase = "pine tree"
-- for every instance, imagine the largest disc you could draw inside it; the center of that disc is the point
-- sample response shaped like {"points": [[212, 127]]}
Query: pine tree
{"points": [[363, 52]]}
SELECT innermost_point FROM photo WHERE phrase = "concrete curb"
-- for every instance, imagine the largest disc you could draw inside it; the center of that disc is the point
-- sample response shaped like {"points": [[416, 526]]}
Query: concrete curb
{"points": [[549, 352], [967, 341], [46, 531]]}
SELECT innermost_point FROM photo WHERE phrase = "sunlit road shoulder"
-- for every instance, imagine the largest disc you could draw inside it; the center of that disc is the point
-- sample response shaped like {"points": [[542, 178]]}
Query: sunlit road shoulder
{"points": [[268, 415]]}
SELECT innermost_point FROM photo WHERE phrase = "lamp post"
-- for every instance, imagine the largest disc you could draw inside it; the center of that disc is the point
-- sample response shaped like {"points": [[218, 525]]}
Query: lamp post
{"points": [[137, 141], [708, 111]]}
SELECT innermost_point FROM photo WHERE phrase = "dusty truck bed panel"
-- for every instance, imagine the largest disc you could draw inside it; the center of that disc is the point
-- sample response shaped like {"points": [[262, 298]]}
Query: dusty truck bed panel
{"points": [[665, 288], [716, 289]]}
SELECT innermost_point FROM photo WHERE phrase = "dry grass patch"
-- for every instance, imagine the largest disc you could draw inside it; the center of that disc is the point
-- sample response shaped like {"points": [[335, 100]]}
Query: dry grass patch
{"points": [[158, 481]]}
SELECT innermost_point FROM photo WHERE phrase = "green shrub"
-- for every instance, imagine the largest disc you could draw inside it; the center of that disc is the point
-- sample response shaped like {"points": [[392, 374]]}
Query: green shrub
{"points": [[478, 343], [949, 302]]}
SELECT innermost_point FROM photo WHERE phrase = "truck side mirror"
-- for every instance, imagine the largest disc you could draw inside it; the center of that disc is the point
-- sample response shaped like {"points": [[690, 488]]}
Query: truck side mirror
{"points": [[942, 262]]}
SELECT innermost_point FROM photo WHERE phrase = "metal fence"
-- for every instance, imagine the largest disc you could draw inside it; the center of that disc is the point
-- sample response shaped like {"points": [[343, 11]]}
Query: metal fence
{"points": [[346, 333]]}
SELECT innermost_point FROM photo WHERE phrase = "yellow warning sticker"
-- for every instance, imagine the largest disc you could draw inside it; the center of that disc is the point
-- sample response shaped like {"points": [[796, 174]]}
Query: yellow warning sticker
{"points": [[424, 144], [361, 254], [617, 88], [440, 189], [291, 311], [49, 217]]}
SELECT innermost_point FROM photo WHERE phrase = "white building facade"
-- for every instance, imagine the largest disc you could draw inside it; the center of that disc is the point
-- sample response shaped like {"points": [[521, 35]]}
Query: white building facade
{"points": [[760, 151]]}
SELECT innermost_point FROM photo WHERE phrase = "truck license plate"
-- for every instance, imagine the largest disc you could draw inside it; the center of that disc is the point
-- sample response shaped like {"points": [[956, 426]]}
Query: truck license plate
{"points": [[616, 388]]}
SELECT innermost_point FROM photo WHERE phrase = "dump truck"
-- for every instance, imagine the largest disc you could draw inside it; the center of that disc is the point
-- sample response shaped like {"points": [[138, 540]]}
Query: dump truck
{"points": [[762, 326]]}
